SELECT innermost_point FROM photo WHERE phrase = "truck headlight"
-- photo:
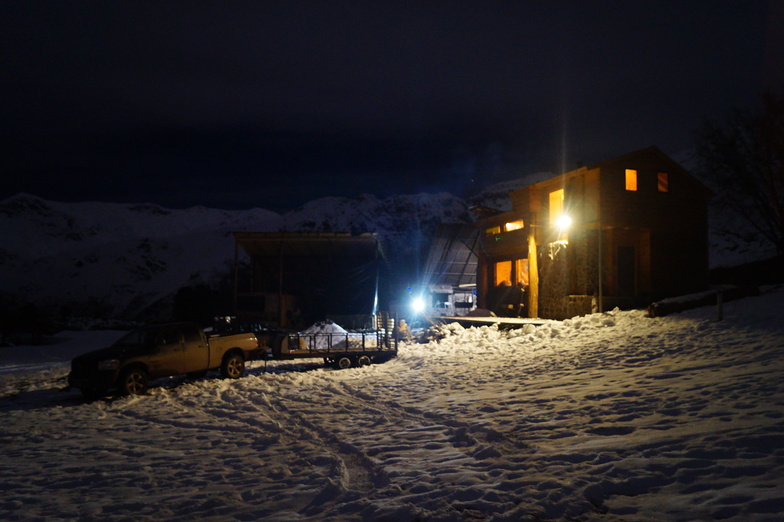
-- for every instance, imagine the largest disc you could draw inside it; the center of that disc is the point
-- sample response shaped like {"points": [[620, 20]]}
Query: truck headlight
{"points": [[109, 364]]}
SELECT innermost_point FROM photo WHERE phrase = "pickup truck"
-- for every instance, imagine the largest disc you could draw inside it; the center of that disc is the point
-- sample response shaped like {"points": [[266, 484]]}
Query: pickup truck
{"points": [[154, 352]]}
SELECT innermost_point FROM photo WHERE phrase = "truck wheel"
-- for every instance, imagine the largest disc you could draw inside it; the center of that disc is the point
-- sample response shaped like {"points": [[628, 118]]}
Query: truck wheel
{"points": [[343, 363], [233, 366], [363, 360], [133, 381]]}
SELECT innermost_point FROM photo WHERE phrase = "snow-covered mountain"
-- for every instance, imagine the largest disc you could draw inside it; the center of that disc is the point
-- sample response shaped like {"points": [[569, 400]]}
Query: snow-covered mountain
{"points": [[117, 260], [112, 259]]}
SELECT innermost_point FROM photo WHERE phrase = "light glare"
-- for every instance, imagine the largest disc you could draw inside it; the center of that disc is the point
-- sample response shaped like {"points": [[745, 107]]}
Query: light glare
{"points": [[564, 222]]}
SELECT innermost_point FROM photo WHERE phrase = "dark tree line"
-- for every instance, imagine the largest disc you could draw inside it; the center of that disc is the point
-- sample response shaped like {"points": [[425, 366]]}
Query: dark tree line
{"points": [[23, 322], [744, 157]]}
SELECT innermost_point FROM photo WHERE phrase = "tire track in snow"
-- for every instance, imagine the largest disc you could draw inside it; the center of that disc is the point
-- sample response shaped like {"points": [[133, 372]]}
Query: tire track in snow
{"points": [[266, 461], [271, 422], [453, 462], [353, 468]]}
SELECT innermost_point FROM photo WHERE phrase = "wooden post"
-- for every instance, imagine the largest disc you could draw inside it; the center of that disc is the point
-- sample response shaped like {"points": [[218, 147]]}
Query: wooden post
{"points": [[533, 276]]}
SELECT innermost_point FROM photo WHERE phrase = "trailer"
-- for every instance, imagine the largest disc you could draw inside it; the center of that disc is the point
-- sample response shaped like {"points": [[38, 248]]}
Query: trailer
{"points": [[343, 349]]}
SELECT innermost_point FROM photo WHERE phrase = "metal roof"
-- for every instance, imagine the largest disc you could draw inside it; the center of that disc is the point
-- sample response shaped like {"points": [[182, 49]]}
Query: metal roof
{"points": [[452, 259]]}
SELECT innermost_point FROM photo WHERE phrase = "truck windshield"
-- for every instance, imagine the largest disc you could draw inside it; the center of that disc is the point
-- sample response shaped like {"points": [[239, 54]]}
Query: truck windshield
{"points": [[140, 337]]}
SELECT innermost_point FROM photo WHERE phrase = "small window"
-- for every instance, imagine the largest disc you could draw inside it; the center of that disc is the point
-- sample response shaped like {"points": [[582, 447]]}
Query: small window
{"points": [[492, 231], [441, 299], [631, 180], [664, 182], [514, 225]]}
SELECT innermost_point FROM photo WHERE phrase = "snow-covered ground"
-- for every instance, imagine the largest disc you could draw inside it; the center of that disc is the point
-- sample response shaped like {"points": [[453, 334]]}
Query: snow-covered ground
{"points": [[604, 417]]}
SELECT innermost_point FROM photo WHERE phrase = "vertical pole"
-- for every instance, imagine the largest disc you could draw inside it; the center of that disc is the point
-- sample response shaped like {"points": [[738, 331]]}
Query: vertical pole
{"points": [[533, 276], [281, 312], [376, 264], [601, 270]]}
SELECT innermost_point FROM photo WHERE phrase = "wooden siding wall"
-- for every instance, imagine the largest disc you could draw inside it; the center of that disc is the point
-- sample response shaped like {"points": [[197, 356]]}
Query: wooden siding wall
{"points": [[674, 255]]}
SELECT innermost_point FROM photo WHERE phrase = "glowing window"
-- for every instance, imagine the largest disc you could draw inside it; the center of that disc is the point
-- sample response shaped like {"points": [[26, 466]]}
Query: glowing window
{"points": [[631, 179], [556, 205], [503, 273], [521, 269], [514, 225], [492, 231], [664, 182]]}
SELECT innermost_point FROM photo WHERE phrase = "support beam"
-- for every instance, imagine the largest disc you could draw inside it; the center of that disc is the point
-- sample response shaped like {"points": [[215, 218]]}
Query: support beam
{"points": [[533, 277]]}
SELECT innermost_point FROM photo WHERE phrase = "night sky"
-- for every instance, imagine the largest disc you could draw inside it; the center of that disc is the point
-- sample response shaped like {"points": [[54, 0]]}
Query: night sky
{"points": [[240, 104]]}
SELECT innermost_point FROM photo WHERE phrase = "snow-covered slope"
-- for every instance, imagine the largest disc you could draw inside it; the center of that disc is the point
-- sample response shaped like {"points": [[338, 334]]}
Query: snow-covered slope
{"points": [[122, 259], [32, 228], [613, 416], [119, 258]]}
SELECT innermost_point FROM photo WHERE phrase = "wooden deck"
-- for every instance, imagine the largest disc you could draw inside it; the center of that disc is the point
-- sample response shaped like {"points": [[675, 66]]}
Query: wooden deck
{"points": [[507, 322]]}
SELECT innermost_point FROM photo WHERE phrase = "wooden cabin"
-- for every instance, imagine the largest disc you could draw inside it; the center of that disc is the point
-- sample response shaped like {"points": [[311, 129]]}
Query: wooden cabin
{"points": [[638, 232]]}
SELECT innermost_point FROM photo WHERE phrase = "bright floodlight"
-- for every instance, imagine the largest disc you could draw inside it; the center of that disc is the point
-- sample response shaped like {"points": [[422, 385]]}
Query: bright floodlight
{"points": [[564, 222], [418, 305]]}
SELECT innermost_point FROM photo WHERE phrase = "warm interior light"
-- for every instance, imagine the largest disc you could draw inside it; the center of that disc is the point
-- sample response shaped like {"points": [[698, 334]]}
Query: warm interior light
{"points": [[564, 221], [664, 182], [631, 180], [503, 273], [556, 205], [513, 225]]}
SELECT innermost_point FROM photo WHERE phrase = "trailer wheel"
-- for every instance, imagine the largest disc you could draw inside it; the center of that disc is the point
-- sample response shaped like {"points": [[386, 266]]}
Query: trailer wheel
{"points": [[344, 362], [233, 366], [364, 360]]}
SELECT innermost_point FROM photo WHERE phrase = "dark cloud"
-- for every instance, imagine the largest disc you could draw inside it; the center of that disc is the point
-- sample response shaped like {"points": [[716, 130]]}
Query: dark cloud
{"points": [[271, 104]]}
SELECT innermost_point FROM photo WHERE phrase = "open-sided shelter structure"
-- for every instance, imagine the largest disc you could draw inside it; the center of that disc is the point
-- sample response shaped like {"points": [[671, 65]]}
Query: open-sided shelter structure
{"points": [[638, 233], [295, 279]]}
